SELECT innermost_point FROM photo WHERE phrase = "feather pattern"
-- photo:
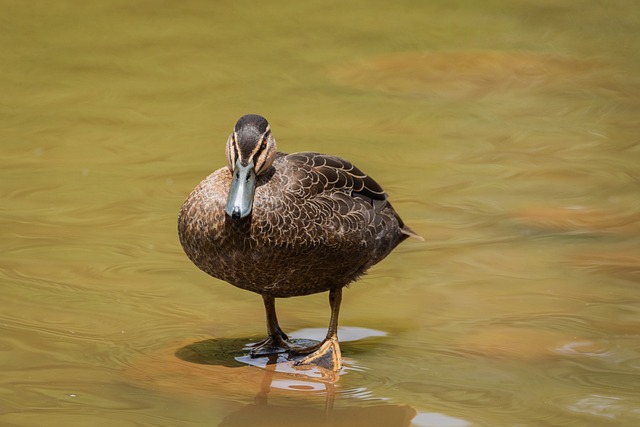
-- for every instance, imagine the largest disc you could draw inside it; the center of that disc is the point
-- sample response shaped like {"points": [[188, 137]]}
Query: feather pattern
{"points": [[318, 223]]}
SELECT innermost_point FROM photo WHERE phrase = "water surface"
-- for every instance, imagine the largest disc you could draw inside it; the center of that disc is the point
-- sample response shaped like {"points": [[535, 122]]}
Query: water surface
{"points": [[506, 133]]}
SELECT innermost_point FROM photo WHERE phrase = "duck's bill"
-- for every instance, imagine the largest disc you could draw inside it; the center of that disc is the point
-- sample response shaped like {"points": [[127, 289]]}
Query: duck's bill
{"points": [[243, 186]]}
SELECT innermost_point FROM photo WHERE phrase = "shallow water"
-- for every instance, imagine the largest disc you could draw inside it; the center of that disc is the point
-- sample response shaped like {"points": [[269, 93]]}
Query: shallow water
{"points": [[506, 134]]}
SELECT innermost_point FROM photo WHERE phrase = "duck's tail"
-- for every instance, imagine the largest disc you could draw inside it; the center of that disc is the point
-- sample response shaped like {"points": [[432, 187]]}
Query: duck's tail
{"points": [[409, 232]]}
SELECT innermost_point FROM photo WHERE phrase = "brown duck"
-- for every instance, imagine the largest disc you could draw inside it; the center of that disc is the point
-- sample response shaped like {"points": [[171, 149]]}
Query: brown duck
{"points": [[284, 225]]}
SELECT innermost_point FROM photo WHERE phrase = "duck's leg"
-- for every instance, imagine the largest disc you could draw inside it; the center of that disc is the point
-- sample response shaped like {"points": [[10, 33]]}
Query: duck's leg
{"points": [[327, 353], [276, 341]]}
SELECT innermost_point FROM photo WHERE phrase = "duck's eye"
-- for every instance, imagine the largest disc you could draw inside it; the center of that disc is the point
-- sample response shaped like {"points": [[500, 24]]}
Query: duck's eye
{"points": [[264, 145]]}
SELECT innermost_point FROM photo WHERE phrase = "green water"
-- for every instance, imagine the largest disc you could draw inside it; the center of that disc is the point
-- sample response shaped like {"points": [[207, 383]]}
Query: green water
{"points": [[506, 133]]}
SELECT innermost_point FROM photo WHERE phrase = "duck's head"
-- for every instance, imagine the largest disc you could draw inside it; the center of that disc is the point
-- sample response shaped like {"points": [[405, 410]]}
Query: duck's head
{"points": [[251, 150]]}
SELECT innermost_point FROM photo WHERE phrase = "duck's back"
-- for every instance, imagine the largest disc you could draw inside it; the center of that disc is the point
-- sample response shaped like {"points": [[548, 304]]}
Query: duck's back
{"points": [[317, 223]]}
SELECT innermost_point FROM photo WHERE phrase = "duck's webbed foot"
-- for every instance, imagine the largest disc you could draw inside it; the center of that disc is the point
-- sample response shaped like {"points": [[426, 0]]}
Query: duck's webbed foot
{"points": [[326, 355], [273, 344]]}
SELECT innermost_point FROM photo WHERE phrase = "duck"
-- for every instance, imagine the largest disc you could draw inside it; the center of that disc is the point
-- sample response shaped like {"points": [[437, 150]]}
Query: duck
{"points": [[286, 225]]}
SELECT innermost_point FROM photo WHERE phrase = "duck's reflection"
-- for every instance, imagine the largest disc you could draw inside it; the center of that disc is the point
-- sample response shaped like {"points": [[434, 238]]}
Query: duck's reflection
{"points": [[261, 398], [286, 395]]}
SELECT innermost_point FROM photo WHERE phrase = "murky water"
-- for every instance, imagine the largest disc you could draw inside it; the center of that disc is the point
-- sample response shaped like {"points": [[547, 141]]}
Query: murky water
{"points": [[505, 132]]}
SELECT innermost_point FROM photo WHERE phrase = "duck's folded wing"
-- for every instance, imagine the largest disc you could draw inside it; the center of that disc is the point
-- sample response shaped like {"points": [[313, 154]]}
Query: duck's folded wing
{"points": [[324, 173]]}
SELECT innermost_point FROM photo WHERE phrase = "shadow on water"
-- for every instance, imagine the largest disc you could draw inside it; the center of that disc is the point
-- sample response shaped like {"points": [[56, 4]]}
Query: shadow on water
{"points": [[221, 352]]}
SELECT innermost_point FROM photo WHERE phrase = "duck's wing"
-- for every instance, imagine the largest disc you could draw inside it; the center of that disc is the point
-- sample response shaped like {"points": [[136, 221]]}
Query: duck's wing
{"points": [[322, 173], [325, 176]]}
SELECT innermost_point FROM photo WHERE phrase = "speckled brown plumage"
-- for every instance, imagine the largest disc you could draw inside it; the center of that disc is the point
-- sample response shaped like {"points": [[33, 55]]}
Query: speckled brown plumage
{"points": [[284, 225], [317, 223]]}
